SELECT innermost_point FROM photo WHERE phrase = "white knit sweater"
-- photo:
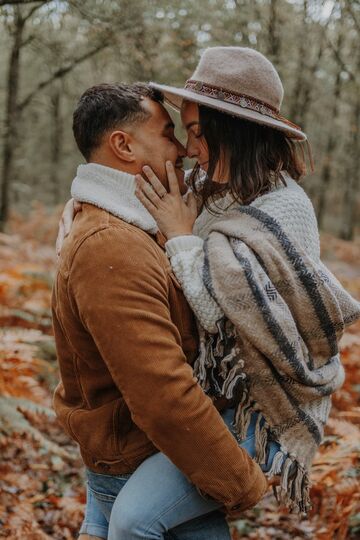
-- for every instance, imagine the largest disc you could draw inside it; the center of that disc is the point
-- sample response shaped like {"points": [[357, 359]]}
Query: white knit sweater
{"points": [[289, 205], [114, 191]]}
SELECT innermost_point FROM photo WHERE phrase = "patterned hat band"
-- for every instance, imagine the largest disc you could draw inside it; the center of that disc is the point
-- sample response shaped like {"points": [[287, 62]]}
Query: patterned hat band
{"points": [[244, 101]]}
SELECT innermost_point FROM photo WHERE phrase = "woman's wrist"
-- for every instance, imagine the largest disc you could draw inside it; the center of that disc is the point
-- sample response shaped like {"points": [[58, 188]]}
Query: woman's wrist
{"points": [[175, 234], [183, 243]]}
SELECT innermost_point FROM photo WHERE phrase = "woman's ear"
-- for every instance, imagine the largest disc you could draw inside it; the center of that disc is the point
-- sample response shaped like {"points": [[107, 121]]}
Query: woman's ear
{"points": [[120, 144]]}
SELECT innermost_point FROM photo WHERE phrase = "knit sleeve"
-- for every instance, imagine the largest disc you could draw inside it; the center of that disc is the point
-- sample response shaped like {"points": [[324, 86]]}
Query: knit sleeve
{"points": [[186, 255]]}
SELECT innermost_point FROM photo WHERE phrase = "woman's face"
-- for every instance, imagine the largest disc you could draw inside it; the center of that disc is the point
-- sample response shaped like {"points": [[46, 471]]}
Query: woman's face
{"points": [[196, 146]]}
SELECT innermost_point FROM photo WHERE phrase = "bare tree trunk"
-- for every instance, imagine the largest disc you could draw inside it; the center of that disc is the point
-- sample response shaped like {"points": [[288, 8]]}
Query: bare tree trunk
{"points": [[56, 142], [242, 18], [294, 109], [331, 144], [11, 115], [301, 98], [305, 102], [352, 175], [273, 32]]}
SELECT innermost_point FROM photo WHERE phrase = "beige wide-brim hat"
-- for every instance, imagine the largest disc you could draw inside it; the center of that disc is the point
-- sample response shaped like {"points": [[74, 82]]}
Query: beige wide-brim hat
{"points": [[239, 81]]}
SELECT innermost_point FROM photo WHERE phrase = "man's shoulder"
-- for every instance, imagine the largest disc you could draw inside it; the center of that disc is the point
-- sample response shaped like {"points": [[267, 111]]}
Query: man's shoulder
{"points": [[98, 235]]}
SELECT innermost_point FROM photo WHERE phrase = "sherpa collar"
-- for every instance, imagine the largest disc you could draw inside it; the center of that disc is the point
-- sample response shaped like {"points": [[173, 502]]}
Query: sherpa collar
{"points": [[114, 191]]}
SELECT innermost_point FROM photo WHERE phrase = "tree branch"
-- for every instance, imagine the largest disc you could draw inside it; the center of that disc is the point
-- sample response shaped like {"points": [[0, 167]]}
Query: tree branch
{"points": [[31, 11], [20, 2], [27, 41], [61, 72], [341, 62], [350, 10]]}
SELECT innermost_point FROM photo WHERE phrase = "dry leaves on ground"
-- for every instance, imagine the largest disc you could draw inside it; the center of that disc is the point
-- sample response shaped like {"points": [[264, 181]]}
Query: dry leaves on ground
{"points": [[41, 478]]}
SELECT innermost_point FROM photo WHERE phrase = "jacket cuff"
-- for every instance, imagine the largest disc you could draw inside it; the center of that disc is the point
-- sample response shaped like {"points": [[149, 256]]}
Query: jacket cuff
{"points": [[251, 498], [183, 243]]}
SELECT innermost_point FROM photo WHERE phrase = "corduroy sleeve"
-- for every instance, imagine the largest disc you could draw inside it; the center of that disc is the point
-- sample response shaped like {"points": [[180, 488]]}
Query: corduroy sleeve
{"points": [[121, 294]]}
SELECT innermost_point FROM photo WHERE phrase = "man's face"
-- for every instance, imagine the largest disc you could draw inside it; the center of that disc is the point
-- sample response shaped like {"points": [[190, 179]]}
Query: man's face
{"points": [[154, 143]]}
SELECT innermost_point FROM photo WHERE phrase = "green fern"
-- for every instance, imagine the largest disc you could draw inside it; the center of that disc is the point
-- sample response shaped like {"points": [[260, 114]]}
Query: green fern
{"points": [[13, 421]]}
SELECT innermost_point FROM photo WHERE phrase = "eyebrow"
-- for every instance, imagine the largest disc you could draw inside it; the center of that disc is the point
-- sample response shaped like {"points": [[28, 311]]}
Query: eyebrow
{"points": [[191, 124]]}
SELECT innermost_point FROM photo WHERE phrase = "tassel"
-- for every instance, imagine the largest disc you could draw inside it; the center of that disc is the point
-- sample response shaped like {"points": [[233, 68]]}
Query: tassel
{"points": [[297, 484], [261, 439], [199, 366], [294, 490], [277, 464], [210, 360], [243, 417], [219, 348], [224, 369], [285, 474], [230, 383]]}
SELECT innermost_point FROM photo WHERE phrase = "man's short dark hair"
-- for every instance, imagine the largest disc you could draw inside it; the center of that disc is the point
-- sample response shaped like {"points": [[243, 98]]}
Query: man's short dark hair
{"points": [[108, 106]]}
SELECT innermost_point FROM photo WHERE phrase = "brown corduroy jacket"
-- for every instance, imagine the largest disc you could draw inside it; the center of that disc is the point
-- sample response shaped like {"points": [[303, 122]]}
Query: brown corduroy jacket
{"points": [[126, 339]]}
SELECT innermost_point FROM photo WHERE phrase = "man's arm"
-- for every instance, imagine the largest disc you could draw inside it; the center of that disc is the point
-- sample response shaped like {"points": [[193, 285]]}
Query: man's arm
{"points": [[121, 293]]}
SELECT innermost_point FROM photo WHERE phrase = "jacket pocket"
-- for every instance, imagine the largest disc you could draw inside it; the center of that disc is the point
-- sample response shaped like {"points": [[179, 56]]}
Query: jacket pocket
{"points": [[99, 431]]}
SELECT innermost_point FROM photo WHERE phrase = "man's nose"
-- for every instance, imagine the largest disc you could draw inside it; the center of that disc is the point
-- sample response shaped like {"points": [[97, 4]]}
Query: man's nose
{"points": [[181, 149]]}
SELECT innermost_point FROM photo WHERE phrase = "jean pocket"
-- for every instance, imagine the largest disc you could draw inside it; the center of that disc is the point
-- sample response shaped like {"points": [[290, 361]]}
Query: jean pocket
{"points": [[106, 487], [104, 497]]}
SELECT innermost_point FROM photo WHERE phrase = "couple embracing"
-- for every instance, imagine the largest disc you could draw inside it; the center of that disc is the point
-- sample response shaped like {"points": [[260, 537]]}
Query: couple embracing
{"points": [[196, 327]]}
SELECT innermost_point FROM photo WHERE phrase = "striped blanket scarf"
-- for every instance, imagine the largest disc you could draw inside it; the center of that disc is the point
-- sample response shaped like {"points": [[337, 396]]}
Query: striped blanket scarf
{"points": [[276, 351]]}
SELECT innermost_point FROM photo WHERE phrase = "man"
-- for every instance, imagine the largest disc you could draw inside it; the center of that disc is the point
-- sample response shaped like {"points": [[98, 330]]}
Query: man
{"points": [[124, 333]]}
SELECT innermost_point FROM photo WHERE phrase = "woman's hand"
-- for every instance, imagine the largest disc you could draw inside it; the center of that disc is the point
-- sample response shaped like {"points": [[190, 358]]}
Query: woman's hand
{"points": [[173, 215], [72, 207]]}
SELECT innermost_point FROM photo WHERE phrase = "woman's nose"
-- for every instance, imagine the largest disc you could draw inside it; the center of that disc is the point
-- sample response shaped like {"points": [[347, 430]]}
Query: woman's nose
{"points": [[180, 148], [191, 150]]}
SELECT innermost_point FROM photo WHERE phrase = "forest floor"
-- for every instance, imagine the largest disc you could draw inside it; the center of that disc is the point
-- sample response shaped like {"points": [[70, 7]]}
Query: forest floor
{"points": [[41, 478]]}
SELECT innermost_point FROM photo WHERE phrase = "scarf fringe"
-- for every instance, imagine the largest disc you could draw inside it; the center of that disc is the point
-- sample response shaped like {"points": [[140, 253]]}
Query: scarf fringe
{"points": [[243, 416], [261, 439], [293, 491], [231, 382]]}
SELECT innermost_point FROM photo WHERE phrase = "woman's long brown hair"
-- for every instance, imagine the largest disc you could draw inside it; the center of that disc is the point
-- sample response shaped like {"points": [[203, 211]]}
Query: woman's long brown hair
{"points": [[255, 156]]}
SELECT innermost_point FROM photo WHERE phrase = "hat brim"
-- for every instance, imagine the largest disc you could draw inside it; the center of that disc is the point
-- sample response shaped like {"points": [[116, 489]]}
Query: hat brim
{"points": [[175, 96]]}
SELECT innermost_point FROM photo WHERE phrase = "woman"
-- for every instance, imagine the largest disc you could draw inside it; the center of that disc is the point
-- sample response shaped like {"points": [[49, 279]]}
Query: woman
{"points": [[270, 314]]}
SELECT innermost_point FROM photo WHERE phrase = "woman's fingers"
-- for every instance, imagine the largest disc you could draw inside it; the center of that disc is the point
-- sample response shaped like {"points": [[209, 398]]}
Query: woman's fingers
{"points": [[172, 178], [142, 192], [148, 190], [154, 181]]}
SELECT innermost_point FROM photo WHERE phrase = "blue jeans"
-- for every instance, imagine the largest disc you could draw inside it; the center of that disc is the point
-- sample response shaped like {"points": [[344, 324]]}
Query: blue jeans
{"points": [[157, 501]]}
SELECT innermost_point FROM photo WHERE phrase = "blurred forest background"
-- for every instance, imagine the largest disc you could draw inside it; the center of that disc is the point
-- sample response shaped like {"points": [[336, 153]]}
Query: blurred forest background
{"points": [[50, 52]]}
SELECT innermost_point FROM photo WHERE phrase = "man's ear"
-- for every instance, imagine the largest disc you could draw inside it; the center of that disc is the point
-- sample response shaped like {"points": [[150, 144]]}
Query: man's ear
{"points": [[120, 144]]}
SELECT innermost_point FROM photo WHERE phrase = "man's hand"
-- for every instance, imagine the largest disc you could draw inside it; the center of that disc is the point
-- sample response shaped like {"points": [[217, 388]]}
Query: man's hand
{"points": [[174, 216], [71, 208]]}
